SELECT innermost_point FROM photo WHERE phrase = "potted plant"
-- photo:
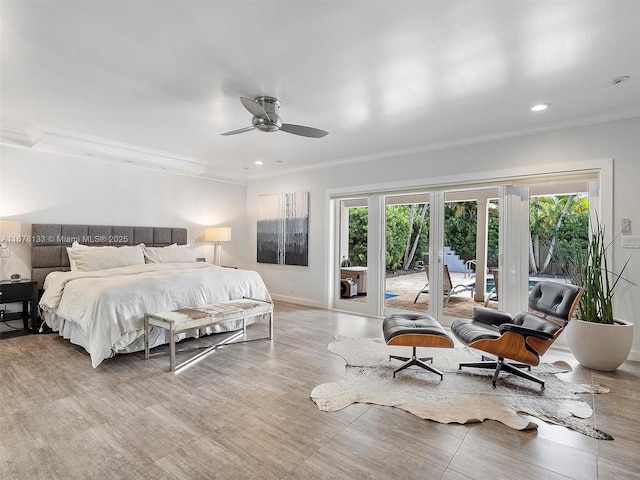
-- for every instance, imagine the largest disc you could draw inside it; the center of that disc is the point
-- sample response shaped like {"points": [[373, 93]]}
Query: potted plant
{"points": [[597, 339]]}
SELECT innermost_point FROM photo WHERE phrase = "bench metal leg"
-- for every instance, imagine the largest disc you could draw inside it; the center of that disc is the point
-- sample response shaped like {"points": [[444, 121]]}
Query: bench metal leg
{"points": [[146, 337], [201, 355], [172, 350]]}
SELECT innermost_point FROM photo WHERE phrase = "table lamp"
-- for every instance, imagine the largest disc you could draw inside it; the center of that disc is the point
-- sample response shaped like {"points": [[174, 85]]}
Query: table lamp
{"points": [[217, 235]]}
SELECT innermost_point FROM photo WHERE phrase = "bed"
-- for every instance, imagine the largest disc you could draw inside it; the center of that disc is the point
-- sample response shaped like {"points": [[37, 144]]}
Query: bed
{"points": [[102, 309]]}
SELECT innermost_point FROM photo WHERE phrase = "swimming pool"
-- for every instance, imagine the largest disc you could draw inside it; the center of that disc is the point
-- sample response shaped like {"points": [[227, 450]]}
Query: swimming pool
{"points": [[491, 284]]}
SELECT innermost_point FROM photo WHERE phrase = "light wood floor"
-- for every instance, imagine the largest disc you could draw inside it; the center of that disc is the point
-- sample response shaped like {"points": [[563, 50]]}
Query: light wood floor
{"points": [[245, 413]]}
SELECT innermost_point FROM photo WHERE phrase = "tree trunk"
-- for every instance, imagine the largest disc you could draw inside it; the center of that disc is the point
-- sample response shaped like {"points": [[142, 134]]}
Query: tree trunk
{"points": [[412, 214], [554, 239], [534, 240], [533, 268], [417, 239]]}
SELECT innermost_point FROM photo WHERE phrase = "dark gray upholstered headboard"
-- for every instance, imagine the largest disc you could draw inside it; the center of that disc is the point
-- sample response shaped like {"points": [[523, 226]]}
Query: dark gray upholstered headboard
{"points": [[49, 242]]}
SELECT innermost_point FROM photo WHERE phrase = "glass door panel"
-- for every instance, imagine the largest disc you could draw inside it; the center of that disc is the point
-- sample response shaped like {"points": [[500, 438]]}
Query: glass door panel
{"points": [[354, 254], [558, 224], [406, 253], [469, 250]]}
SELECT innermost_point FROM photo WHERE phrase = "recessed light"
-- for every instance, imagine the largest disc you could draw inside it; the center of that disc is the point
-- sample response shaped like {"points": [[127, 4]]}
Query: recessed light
{"points": [[258, 162], [540, 107], [617, 80]]}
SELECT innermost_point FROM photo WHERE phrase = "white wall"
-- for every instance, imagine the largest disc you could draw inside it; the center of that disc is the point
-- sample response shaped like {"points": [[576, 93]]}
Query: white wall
{"points": [[40, 187], [619, 140]]}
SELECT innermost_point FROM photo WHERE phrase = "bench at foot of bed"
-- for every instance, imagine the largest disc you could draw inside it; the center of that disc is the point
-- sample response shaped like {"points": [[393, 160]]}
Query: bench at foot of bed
{"points": [[184, 319]]}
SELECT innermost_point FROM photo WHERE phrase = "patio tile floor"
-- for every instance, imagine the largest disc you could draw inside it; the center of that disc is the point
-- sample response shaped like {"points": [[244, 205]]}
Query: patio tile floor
{"points": [[407, 286]]}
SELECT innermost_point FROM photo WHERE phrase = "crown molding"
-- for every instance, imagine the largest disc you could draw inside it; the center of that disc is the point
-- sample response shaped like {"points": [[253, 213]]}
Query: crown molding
{"points": [[63, 141], [66, 142], [18, 137], [464, 142], [71, 143]]}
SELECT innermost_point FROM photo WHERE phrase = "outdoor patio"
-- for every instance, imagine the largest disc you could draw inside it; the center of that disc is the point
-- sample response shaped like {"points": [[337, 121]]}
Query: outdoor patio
{"points": [[406, 286]]}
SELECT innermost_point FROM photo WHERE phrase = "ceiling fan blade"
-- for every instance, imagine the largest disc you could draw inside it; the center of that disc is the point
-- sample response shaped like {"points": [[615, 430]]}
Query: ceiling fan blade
{"points": [[240, 130], [254, 108], [303, 131]]}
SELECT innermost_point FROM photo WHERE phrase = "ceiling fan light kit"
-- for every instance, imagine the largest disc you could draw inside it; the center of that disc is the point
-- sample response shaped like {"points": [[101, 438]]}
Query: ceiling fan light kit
{"points": [[266, 119]]}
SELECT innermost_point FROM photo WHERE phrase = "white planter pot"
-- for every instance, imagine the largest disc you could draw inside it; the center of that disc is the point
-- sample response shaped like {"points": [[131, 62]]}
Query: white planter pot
{"points": [[600, 346]]}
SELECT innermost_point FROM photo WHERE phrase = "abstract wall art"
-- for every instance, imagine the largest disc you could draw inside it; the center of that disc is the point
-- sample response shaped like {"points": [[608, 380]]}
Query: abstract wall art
{"points": [[283, 228]]}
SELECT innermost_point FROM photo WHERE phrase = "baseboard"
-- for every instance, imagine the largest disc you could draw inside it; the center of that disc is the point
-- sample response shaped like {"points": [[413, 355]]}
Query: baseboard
{"points": [[351, 312], [298, 301], [633, 355]]}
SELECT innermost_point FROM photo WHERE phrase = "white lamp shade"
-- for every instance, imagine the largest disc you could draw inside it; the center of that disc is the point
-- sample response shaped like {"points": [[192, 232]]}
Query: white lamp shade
{"points": [[10, 230], [217, 234]]}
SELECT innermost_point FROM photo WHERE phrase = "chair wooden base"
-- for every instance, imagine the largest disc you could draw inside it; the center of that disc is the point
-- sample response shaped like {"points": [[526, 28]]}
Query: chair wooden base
{"points": [[414, 360], [500, 365]]}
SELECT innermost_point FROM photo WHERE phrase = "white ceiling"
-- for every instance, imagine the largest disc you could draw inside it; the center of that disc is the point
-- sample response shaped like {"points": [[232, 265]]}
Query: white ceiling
{"points": [[162, 79]]}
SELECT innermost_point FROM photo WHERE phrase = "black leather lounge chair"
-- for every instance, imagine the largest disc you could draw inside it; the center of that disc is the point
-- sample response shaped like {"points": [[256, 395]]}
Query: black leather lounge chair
{"points": [[523, 338]]}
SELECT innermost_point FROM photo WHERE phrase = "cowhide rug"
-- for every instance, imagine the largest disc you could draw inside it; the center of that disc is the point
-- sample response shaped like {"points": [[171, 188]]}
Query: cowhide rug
{"points": [[463, 396]]}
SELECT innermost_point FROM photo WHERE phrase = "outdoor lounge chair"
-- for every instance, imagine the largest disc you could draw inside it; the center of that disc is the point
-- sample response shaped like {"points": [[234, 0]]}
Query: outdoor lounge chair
{"points": [[448, 289], [493, 294]]}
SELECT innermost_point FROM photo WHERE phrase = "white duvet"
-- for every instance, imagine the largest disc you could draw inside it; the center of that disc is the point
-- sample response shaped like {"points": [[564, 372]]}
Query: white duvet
{"points": [[109, 305]]}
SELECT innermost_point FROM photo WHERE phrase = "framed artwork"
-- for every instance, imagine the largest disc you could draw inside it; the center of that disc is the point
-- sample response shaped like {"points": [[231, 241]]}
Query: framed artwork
{"points": [[283, 228]]}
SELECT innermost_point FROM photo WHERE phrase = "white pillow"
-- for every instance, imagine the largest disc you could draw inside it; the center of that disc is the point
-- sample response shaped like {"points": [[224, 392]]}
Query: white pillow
{"points": [[72, 263], [171, 254], [90, 259]]}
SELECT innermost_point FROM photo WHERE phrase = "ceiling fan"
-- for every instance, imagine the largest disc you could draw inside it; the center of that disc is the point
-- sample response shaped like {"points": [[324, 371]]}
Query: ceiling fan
{"points": [[266, 119]]}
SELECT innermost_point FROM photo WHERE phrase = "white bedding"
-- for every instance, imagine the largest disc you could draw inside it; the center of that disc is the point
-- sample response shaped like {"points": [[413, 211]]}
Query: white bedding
{"points": [[108, 306]]}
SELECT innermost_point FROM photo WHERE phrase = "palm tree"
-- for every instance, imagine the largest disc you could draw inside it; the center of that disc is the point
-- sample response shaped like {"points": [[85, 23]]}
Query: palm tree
{"points": [[547, 215], [410, 250]]}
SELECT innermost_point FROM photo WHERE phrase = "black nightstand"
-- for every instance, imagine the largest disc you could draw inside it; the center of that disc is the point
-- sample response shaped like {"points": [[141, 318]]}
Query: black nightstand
{"points": [[25, 291]]}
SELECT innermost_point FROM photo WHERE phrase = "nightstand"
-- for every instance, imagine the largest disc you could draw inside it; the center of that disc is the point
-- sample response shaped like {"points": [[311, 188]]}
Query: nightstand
{"points": [[25, 291]]}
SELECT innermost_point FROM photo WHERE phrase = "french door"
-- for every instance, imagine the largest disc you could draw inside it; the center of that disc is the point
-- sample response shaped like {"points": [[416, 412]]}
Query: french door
{"points": [[443, 251], [472, 240]]}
